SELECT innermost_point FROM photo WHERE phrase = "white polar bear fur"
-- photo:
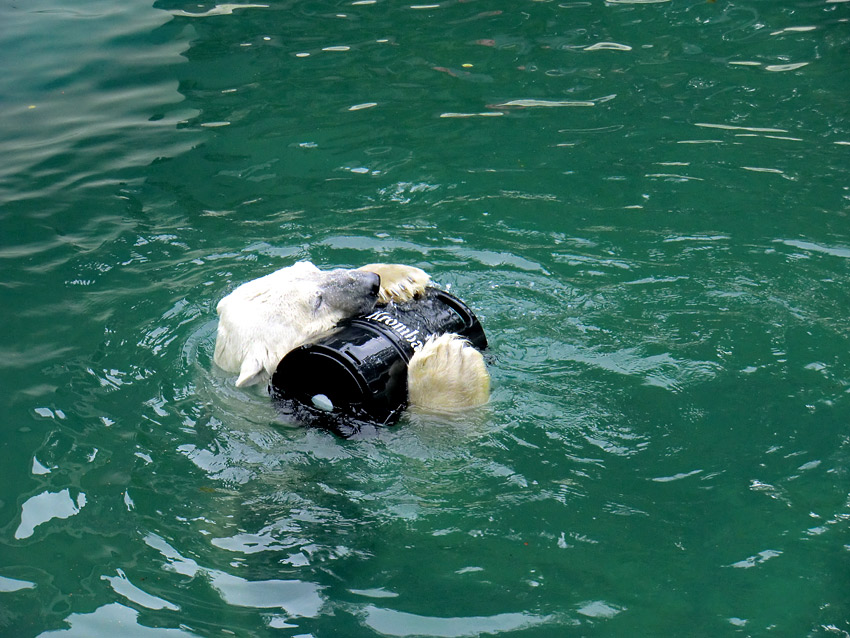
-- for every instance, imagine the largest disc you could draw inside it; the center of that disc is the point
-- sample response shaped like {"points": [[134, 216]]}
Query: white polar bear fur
{"points": [[262, 320], [447, 374]]}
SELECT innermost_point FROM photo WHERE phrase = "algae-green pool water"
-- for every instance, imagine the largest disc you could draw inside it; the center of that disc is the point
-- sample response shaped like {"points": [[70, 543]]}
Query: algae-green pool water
{"points": [[644, 202]]}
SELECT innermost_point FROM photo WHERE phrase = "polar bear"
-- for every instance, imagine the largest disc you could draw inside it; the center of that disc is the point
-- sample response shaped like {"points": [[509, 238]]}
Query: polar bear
{"points": [[264, 319]]}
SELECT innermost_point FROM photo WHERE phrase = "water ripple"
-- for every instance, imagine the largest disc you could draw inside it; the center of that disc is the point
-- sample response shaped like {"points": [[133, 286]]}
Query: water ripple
{"points": [[668, 342], [395, 623], [217, 10]]}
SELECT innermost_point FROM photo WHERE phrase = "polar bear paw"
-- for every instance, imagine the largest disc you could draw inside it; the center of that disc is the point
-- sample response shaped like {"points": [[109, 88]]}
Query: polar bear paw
{"points": [[399, 283], [448, 373]]}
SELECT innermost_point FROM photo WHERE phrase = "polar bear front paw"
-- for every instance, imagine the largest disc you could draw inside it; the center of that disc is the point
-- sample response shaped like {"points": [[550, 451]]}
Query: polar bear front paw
{"points": [[399, 283], [448, 373]]}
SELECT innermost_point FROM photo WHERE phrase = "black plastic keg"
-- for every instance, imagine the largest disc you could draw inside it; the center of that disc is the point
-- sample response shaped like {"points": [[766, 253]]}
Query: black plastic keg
{"points": [[359, 368]]}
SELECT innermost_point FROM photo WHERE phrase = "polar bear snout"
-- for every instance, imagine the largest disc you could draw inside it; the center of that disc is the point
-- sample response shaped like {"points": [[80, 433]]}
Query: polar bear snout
{"points": [[376, 284], [368, 280], [352, 291]]}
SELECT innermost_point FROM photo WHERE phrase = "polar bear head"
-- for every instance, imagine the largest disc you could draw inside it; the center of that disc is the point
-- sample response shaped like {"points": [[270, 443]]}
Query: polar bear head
{"points": [[262, 320]]}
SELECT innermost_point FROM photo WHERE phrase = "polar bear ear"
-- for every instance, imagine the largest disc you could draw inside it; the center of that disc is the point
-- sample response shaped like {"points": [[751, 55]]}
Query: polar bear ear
{"points": [[251, 372]]}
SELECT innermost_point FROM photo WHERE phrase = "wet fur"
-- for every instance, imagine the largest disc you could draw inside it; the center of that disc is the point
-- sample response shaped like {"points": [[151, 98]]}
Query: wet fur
{"points": [[262, 320]]}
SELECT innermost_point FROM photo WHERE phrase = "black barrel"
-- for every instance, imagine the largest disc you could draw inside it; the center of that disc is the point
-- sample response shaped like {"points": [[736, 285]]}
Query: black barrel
{"points": [[359, 368]]}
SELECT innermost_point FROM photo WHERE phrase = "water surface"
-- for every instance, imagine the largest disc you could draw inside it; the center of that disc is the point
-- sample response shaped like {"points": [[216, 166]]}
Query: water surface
{"points": [[644, 202]]}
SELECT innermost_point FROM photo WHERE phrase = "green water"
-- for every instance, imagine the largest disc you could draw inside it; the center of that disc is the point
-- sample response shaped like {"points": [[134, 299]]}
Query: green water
{"points": [[646, 204]]}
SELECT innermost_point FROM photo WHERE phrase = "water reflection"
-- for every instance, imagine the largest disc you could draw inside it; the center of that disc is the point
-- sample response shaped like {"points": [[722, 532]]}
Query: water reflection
{"points": [[217, 10], [47, 506], [123, 587], [104, 620], [13, 584], [395, 623], [296, 598]]}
